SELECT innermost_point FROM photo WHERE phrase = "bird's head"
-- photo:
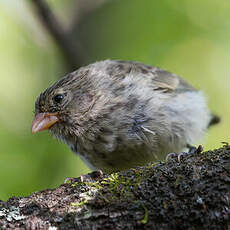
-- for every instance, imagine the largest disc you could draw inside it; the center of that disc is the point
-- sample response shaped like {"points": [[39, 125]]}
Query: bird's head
{"points": [[63, 108]]}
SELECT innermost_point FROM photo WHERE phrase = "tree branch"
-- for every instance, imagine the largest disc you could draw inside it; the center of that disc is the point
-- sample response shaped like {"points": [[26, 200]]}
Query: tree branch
{"points": [[70, 47], [83, 9], [191, 194]]}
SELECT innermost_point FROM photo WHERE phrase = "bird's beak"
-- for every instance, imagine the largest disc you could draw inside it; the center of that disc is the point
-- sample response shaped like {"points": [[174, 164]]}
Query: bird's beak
{"points": [[43, 121]]}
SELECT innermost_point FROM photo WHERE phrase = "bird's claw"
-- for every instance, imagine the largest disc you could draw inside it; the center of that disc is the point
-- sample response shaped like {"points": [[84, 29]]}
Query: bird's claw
{"points": [[85, 178], [170, 155], [70, 180], [192, 150], [95, 175]]}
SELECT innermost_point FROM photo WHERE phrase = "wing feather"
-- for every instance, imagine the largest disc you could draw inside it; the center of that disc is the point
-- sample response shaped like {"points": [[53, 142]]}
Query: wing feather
{"points": [[161, 79]]}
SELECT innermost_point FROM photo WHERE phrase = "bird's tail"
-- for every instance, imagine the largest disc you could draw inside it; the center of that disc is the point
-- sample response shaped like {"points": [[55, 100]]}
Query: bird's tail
{"points": [[214, 120]]}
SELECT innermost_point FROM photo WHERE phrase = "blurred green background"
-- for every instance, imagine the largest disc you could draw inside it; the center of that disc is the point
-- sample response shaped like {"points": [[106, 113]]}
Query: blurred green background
{"points": [[190, 38]]}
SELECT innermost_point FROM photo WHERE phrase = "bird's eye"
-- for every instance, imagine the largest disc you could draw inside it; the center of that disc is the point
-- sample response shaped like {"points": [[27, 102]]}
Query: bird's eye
{"points": [[58, 98]]}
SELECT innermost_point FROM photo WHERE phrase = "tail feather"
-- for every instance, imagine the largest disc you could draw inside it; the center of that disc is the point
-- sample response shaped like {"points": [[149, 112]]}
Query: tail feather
{"points": [[214, 120]]}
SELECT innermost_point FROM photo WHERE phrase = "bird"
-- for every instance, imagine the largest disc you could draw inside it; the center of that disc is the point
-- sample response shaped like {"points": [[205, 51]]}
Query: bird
{"points": [[117, 114]]}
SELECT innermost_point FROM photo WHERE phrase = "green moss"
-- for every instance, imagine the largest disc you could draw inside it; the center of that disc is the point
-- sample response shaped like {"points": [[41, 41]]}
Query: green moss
{"points": [[79, 204], [120, 185], [115, 188], [116, 184], [93, 184], [146, 216]]}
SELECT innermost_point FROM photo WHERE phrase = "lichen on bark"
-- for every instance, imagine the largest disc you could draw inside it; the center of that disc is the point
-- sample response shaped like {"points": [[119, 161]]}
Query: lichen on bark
{"points": [[191, 194]]}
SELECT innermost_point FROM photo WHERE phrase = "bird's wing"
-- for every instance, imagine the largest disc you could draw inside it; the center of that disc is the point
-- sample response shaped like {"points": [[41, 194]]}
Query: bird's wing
{"points": [[170, 82], [161, 79]]}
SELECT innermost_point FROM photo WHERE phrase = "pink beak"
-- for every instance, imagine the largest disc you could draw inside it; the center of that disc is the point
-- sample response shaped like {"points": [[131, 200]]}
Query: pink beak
{"points": [[43, 121]]}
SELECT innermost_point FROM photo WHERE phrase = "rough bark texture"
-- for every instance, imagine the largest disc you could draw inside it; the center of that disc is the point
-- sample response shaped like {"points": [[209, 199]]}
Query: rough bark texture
{"points": [[191, 194]]}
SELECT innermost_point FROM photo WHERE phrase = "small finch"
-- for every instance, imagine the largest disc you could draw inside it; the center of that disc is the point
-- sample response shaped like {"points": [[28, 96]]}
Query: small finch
{"points": [[119, 114]]}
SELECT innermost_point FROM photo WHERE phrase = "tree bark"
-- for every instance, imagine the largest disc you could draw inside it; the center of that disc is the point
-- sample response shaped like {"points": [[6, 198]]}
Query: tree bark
{"points": [[193, 193]]}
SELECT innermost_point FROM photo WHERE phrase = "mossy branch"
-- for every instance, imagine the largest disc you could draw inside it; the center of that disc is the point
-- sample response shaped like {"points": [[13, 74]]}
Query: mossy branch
{"points": [[191, 194]]}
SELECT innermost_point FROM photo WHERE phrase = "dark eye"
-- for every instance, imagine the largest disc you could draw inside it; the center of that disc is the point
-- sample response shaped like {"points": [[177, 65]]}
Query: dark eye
{"points": [[58, 98]]}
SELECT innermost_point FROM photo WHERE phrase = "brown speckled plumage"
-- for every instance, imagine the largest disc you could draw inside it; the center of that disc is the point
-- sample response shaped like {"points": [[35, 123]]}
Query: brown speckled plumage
{"points": [[120, 114]]}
